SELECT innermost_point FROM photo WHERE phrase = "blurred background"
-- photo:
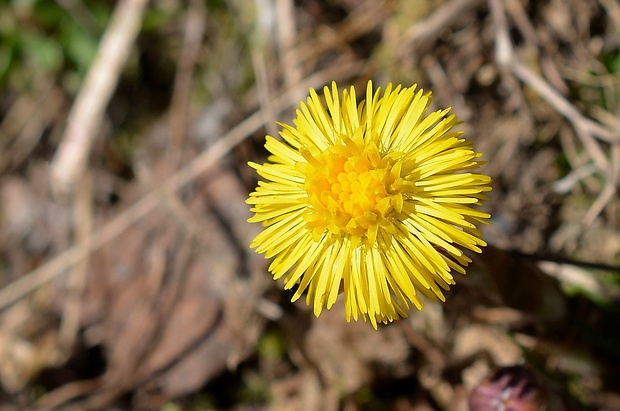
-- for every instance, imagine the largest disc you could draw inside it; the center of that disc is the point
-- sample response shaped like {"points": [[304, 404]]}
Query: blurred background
{"points": [[126, 281]]}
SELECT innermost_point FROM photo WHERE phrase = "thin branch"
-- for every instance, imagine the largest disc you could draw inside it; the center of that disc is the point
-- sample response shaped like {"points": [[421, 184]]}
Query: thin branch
{"points": [[559, 259], [557, 101], [194, 31], [425, 32], [87, 112], [609, 190], [70, 323]]}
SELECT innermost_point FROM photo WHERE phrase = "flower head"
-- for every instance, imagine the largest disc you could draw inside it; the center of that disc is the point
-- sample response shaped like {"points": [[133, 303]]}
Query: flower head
{"points": [[512, 388], [372, 200]]}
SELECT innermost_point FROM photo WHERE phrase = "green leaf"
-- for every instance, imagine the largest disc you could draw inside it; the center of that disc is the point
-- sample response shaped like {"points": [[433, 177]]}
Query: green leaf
{"points": [[80, 48], [45, 53]]}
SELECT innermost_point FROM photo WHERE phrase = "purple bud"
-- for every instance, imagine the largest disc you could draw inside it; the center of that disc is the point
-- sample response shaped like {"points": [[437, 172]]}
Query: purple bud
{"points": [[513, 388]]}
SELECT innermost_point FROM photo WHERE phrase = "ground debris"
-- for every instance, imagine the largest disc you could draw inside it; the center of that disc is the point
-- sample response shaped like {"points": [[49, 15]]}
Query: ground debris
{"points": [[174, 311]]}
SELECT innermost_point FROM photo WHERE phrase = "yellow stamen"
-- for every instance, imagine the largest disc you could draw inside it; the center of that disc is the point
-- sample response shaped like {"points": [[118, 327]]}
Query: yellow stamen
{"points": [[352, 188]]}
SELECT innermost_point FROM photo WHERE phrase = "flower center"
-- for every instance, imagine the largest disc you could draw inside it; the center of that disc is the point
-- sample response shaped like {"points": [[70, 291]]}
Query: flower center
{"points": [[352, 189]]}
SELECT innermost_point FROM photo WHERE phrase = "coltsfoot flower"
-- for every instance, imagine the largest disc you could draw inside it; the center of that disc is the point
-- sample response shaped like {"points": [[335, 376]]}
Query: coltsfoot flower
{"points": [[372, 200]]}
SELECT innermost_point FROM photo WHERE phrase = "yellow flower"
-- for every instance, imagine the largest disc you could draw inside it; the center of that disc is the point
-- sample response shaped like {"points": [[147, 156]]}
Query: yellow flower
{"points": [[371, 200]]}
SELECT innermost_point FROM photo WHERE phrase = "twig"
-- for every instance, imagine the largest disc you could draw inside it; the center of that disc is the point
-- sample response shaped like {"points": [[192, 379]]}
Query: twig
{"points": [[612, 8], [77, 280], [422, 34], [559, 259], [566, 184], [286, 38], [361, 20], [519, 16], [263, 86], [86, 115], [585, 128], [609, 190], [194, 30], [59, 265]]}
